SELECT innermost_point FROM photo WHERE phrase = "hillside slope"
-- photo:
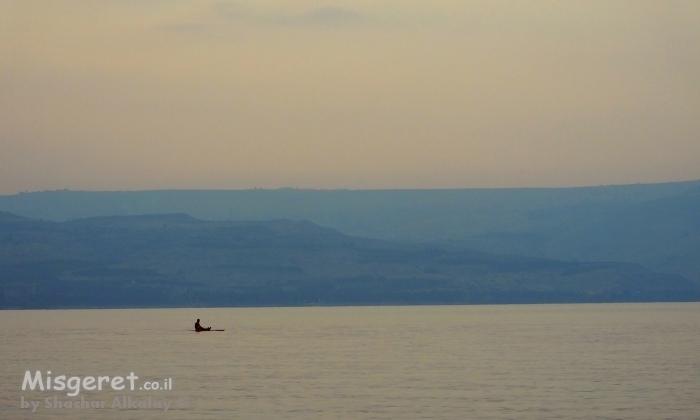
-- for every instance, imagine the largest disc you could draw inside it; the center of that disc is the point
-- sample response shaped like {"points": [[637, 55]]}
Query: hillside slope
{"points": [[655, 225], [662, 234], [176, 260]]}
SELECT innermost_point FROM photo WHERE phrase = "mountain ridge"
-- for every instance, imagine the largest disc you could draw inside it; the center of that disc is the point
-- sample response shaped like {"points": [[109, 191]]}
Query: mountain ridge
{"points": [[650, 224], [176, 260]]}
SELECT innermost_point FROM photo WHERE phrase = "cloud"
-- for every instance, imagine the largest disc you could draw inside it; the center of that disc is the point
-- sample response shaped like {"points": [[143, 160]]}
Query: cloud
{"points": [[330, 16], [185, 28]]}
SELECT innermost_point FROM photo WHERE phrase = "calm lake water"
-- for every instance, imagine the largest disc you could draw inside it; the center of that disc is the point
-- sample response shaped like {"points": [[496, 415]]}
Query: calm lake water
{"points": [[602, 361]]}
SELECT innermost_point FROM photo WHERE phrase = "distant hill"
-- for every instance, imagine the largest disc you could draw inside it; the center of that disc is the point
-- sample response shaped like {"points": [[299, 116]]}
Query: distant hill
{"points": [[420, 215], [663, 234], [176, 260], [655, 225]]}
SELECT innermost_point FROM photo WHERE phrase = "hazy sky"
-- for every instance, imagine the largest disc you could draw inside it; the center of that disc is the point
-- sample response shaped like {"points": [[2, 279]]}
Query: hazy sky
{"points": [[105, 95]]}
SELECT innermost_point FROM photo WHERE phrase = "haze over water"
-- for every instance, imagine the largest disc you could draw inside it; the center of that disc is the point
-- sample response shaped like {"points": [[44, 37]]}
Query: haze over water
{"points": [[616, 361]]}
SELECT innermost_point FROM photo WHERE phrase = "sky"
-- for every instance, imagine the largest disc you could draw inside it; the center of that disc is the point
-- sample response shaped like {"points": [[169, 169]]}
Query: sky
{"points": [[137, 95]]}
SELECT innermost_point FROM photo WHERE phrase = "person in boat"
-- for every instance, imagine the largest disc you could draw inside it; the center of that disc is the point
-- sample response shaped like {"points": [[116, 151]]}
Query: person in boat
{"points": [[198, 327]]}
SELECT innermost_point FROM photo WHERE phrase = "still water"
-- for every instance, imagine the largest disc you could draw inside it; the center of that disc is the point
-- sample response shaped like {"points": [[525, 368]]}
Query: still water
{"points": [[600, 361]]}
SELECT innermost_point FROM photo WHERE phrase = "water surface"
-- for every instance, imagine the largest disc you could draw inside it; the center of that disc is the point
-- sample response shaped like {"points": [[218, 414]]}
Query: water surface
{"points": [[598, 361]]}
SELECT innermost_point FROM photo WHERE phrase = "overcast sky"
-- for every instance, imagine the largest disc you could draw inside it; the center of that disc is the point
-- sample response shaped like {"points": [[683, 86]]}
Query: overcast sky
{"points": [[126, 95]]}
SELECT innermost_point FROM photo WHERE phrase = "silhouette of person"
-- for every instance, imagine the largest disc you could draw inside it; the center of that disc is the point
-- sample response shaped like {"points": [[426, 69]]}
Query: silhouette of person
{"points": [[198, 327]]}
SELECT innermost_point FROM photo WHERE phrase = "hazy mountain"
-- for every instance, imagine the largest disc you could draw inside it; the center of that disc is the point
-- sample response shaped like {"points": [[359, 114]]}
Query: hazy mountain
{"points": [[421, 215], [663, 234], [655, 225], [176, 260]]}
